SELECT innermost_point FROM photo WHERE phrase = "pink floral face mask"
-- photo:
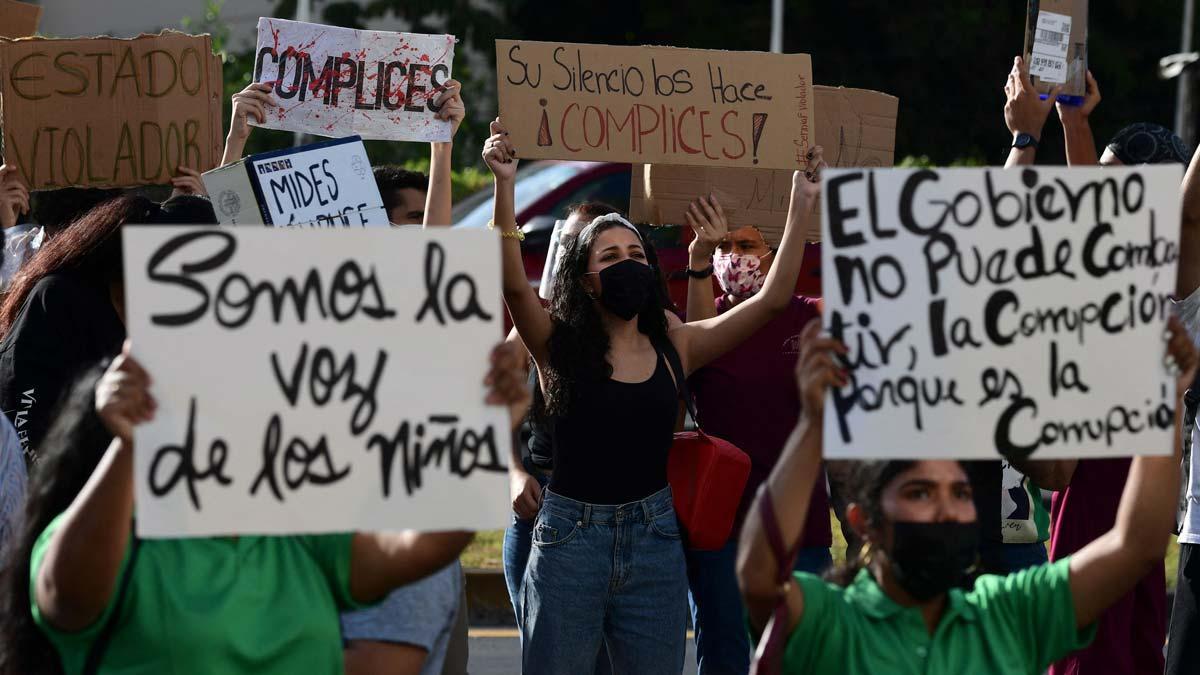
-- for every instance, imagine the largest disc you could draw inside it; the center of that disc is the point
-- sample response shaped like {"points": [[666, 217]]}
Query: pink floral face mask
{"points": [[738, 274]]}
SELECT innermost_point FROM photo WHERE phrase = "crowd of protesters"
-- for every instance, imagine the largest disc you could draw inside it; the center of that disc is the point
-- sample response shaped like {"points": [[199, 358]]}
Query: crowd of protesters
{"points": [[952, 567]]}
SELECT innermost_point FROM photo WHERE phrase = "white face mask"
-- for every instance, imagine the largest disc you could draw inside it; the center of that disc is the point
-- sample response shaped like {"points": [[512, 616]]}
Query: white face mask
{"points": [[738, 274]]}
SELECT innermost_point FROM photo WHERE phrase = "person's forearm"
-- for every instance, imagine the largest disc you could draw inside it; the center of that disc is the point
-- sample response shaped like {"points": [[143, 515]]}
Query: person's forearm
{"points": [[80, 569], [1020, 157], [1188, 274], [381, 562], [1146, 515], [505, 219], [234, 145], [438, 198], [1081, 146], [780, 284], [790, 487], [700, 298]]}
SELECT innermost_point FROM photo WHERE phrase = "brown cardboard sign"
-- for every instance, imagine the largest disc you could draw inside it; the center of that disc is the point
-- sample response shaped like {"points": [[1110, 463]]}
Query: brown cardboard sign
{"points": [[1056, 45], [856, 127], [105, 112], [656, 105], [19, 19]]}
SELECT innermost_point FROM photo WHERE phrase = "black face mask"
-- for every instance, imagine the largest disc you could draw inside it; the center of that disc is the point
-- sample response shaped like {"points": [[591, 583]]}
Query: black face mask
{"points": [[931, 558], [626, 288]]}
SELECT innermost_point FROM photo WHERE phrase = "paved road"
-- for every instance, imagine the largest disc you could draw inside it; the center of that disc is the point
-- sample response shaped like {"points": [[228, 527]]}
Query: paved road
{"points": [[498, 652]]}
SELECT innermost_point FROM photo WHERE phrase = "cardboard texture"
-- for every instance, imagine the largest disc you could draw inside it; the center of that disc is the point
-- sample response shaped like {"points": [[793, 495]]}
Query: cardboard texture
{"points": [[1056, 45], [656, 105], [328, 184], [856, 128], [339, 82], [104, 112], [19, 19]]}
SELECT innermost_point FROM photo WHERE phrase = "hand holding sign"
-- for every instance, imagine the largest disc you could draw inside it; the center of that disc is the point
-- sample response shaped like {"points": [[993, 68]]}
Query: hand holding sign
{"points": [[123, 398], [499, 153], [1025, 111], [451, 106], [818, 370], [14, 196]]}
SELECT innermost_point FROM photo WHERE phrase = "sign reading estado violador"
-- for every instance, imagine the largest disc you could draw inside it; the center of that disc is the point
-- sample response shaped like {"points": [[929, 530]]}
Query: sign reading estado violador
{"points": [[989, 311]]}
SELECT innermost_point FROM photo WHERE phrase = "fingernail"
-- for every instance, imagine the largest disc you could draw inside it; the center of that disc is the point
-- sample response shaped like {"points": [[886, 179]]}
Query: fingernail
{"points": [[1166, 336]]}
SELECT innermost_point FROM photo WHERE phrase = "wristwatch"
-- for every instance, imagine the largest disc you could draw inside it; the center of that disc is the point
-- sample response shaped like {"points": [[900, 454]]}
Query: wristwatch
{"points": [[700, 274], [1024, 140]]}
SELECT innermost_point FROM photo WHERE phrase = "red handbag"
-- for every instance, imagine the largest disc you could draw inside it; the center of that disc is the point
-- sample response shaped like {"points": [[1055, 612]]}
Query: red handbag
{"points": [[707, 475]]}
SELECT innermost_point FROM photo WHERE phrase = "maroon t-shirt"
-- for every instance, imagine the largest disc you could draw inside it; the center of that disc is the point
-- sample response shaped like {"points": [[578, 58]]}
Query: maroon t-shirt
{"points": [[748, 397], [1130, 633]]}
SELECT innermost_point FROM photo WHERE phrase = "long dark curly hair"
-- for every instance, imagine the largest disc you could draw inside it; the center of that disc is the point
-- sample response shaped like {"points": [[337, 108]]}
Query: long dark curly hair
{"points": [[73, 448], [579, 342]]}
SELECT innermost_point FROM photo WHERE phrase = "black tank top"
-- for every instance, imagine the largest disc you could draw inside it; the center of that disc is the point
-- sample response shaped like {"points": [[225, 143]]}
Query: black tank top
{"points": [[612, 446]]}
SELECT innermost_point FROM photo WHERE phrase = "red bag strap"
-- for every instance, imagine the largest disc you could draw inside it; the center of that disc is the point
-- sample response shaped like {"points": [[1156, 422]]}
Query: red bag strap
{"points": [[768, 658]]}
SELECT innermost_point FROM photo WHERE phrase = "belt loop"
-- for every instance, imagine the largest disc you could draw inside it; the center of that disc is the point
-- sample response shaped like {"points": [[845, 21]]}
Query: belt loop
{"points": [[646, 510], [587, 514]]}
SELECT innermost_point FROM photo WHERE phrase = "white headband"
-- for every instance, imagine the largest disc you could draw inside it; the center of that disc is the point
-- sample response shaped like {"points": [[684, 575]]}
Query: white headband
{"points": [[610, 218]]}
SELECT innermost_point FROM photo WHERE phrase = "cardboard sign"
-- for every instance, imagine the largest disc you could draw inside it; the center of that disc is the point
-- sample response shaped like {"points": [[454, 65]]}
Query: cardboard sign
{"points": [[339, 81], [19, 19], [102, 112], [326, 184], [856, 127], [987, 311], [655, 105], [1056, 45], [316, 380]]}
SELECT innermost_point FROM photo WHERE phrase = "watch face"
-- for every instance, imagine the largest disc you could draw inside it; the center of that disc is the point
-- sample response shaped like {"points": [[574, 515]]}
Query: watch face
{"points": [[1023, 141]]}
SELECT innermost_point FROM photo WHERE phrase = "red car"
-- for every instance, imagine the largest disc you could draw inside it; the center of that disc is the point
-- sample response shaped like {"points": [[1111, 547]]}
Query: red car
{"points": [[546, 189]]}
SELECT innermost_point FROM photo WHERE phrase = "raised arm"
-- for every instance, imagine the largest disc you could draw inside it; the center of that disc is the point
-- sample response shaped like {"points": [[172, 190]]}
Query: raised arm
{"points": [[1024, 112], [1188, 278], [437, 199], [530, 318], [1110, 566], [790, 485], [1077, 131], [699, 342], [252, 101], [79, 572], [707, 220]]}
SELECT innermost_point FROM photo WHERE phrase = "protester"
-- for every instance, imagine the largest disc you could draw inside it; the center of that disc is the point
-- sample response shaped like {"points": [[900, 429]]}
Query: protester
{"points": [[900, 607], [607, 563], [1183, 643], [747, 397], [247, 604], [66, 308]]}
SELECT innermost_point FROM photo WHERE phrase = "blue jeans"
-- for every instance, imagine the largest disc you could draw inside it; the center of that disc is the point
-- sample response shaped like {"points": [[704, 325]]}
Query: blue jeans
{"points": [[722, 643], [604, 574], [518, 539]]}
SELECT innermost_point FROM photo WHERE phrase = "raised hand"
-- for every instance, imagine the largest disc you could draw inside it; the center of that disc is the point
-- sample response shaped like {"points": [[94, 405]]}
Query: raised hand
{"points": [[1024, 110], [499, 153], [818, 369], [707, 220], [188, 182], [452, 107], [251, 102], [14, 196], [1069, 114]]}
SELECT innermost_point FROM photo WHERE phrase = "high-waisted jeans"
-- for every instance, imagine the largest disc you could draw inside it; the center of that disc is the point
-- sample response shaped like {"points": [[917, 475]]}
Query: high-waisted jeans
{"points": [[605, 574]]}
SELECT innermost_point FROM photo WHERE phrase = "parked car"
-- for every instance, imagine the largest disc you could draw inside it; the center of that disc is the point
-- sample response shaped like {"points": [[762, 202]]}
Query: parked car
{"points": [[546, 189]]}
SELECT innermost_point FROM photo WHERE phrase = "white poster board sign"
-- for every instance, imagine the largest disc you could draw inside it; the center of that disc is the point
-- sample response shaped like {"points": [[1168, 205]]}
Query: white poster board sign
{"points": [[338, 82], [314, 380], [991, 310], [328, 184]]}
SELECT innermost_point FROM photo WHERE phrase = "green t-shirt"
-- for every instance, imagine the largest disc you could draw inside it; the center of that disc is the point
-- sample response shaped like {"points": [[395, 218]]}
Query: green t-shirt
{"points": [[219, 606], [1005, 625]]}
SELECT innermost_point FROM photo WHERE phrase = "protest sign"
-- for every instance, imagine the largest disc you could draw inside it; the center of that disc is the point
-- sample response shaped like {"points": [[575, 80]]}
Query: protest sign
{"points": [[339, 82], [992, 310], [103, 112], [316, 380], [655, 105], [327, 184], [18, 19], [1056, 36], [856, 127]]}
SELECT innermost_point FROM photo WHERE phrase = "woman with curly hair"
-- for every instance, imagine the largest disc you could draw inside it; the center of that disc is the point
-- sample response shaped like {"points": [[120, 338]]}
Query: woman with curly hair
{"points": [[607, 563]]}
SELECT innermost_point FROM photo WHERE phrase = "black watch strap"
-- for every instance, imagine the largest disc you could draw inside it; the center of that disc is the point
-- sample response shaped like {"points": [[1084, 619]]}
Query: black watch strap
{"points": [[1024, 140], [700, 274]]}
